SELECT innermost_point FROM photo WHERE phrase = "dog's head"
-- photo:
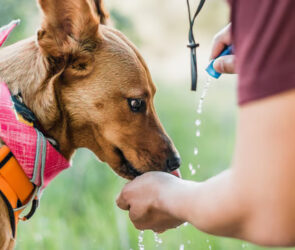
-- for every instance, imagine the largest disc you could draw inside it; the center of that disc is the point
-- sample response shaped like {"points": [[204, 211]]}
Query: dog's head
{"points": [[101, 90]]}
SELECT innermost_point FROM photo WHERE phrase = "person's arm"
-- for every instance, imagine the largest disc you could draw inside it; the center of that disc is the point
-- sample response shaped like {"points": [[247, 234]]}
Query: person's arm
{"points": [[254, 200]]}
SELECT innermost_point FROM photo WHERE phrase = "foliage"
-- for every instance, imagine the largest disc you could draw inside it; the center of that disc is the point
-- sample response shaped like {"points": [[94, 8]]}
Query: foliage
{"points": [[125, 25]]}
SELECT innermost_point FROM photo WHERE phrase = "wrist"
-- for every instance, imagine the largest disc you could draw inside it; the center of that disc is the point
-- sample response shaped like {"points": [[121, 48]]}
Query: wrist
{"points": [[177, 200]]}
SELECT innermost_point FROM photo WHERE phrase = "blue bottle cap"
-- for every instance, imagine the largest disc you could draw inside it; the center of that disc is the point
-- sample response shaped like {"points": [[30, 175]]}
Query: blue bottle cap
{"points": [[210, 69]]}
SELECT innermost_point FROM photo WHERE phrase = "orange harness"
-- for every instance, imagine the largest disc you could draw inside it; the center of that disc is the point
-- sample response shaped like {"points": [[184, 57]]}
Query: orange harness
{"points": [[15, 187]]}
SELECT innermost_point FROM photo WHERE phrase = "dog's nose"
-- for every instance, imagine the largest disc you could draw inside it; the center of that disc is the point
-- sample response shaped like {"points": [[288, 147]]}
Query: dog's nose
{"points": [[173, 162]]}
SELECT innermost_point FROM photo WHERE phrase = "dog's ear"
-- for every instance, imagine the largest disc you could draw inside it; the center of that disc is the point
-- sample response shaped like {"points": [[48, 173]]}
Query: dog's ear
{"points": [[100, 10], [69, 33]]}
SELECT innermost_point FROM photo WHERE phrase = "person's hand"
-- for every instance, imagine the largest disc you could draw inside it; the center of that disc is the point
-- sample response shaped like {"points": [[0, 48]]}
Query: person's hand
{"points": [[224, 64], [148, 199]]}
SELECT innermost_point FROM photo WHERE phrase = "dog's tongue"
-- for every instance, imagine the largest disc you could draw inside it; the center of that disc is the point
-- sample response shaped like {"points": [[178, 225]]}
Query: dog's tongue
{"points": [[176, 173]]}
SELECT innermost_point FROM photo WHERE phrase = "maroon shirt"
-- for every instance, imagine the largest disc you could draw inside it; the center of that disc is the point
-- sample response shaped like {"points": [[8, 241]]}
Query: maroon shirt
{"points": [[264, 41]]}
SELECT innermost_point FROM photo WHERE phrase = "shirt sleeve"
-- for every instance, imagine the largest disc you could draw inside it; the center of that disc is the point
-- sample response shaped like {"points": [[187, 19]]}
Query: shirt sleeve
{"points": [[264, 42]]}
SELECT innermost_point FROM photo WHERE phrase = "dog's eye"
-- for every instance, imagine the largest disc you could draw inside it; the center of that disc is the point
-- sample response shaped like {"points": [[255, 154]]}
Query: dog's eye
{"points": [[136, 105]]}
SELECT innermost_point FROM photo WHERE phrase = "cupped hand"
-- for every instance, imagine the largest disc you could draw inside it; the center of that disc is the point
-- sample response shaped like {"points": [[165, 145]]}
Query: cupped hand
{"points": [[224, 64], [148, 199]]}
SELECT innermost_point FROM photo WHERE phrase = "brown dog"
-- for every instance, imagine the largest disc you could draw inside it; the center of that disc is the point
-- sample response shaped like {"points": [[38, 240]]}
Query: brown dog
{"points": [[89, 87]]}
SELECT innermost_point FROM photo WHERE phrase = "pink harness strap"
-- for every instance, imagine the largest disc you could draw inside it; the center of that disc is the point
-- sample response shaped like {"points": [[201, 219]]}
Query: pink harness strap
{"points": [[28, 145], [39, 159], [5, 31]]}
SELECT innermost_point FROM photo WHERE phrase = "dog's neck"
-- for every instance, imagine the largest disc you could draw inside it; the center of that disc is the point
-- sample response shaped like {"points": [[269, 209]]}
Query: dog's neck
{"points": [[25, 70]]}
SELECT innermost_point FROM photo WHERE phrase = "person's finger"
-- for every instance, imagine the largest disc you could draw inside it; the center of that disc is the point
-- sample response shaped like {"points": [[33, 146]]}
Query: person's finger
{"points": [[217, 48], [122, 201], [220, 41], [137, 215], [225, 64], [140, 223], [160, 231]]}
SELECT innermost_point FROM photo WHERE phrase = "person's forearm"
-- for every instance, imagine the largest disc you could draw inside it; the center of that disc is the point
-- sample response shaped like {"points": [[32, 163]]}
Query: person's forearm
{"points": [[214, 206], [254, 200]]}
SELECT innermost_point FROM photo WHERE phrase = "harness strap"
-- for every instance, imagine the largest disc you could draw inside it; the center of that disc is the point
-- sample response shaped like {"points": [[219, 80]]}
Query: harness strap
{"points": [[16, 188], [10, 198]]}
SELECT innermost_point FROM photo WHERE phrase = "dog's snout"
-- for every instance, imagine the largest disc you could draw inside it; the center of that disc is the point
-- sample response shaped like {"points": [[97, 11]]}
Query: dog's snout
{"points": [[173, 162]]}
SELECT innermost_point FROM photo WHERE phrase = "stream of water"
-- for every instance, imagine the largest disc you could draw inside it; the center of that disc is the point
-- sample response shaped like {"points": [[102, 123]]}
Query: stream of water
{"points": [[192, 168], [158, 240], [198, 123], [140, 240]]}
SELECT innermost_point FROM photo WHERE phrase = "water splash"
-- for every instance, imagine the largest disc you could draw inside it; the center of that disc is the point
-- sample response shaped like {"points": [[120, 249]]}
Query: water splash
{"points": [[158, 240], [140, 240]]}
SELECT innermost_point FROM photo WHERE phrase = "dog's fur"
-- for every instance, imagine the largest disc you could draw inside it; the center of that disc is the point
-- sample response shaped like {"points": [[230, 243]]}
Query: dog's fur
{"points": [[76, 76]]}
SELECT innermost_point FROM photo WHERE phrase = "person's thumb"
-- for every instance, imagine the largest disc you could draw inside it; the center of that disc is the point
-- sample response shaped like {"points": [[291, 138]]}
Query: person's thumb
{"points": [[225, 64]]}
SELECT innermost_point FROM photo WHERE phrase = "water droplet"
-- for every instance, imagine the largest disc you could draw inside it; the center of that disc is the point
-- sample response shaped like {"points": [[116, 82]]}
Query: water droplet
{"points": [[198, 133], [207, 241], [196, 151], [188, 242], [181, 247], [185, 224], [199, 166], [198, 123], [244, 245], [210, 247]]}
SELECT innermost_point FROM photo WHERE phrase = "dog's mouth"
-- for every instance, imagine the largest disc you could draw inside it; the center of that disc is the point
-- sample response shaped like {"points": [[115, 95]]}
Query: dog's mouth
{"points": [[127, 170]]}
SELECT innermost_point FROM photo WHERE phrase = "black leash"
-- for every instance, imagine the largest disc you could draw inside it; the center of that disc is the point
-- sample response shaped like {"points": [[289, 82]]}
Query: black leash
{"points": [[192, 43]]}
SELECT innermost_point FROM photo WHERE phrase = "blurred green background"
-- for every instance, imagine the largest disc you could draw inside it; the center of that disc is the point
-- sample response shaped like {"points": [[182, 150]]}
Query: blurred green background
{"points": [[78, 209]]}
